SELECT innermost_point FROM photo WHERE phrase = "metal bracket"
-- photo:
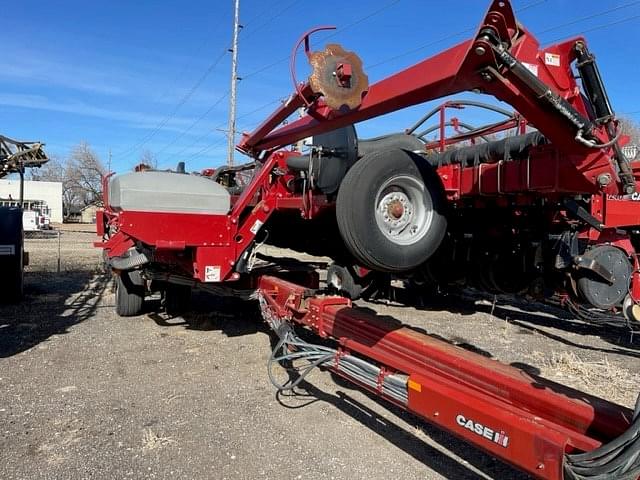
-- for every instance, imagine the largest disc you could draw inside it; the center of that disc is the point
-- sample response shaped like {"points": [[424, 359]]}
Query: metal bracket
{"points": [[591, 264]]}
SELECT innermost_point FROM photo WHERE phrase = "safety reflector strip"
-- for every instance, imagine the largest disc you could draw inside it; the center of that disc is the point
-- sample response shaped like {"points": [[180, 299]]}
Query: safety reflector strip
{"points": [[414, 385]]}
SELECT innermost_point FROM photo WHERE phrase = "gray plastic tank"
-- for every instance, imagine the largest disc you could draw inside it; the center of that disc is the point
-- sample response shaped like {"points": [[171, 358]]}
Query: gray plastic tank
{"points": [[167, 192]]}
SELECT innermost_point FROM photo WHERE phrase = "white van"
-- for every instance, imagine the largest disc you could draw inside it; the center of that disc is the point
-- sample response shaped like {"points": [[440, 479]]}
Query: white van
{"points": [[29, 221]]}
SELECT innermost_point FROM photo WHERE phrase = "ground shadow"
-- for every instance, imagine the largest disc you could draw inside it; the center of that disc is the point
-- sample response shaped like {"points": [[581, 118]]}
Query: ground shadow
{"points": [[531, 316], [232, 316], [402, 438], [52, 304]]}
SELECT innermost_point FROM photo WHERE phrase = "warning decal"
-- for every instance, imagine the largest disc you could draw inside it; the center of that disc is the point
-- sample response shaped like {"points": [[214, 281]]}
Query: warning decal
{"points": [[212, 273], [552, 59]]}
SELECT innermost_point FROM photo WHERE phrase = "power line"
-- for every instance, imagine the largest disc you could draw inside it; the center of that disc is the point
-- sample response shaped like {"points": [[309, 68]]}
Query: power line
{"points": [[339, 30], [270, 20], [599, 27], [215, 128], [190, 93], [185, 98], [589, 17], [445, 38], [251, 127], [206, 149], [262, 13], [530, 5], [198, 120], [419, 48]]}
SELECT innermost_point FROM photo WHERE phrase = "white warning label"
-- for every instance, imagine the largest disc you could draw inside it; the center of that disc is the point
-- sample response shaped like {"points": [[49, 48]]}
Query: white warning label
{"points": [[552, 59], [256, 226], [212, 273]]}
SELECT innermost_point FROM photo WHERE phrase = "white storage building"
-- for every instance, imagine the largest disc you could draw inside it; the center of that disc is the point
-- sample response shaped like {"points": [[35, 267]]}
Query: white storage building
{"points": [[48, 192]]}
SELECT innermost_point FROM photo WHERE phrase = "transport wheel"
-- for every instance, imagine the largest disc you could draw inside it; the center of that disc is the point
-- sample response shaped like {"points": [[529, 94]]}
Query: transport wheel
{"points": [[11, 255], [341, 279], [130, 291], [177, 299], [390, 211]]}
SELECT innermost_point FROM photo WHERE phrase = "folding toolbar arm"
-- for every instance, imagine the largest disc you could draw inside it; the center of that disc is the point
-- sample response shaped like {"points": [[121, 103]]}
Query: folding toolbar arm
{"points": [[503, 60]]}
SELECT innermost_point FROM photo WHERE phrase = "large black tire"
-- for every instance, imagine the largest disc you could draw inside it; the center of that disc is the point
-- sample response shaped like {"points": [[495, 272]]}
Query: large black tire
{"points": [[177, 299], [12, 258], [383, 183], [130, 290]]}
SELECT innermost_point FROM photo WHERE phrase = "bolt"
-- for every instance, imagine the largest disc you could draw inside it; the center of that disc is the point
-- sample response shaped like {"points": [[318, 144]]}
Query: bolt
{"points": [[480, 50], [604, 179], [486, 77]]}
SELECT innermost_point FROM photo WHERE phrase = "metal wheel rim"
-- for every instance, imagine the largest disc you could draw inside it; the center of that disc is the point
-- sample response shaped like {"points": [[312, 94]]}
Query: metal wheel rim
{"points": [[403, 210]]}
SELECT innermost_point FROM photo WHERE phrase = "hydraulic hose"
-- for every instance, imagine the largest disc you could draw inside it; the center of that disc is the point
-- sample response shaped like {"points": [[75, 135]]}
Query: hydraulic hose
{"points": [[616, 460]]}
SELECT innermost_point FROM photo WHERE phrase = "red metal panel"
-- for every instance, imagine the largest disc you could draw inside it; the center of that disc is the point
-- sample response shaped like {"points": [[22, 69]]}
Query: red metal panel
{"points": [[191, 229], [517, 438], [621, 211]]}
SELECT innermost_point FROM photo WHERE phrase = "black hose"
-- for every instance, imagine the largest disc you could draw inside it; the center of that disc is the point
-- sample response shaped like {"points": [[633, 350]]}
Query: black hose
{"points": [[616, 460]]}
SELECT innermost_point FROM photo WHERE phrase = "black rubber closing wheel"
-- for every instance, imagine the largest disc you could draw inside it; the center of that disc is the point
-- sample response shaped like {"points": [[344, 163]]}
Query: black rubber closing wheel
{"points": [[177, 299], [130, 290], [390, 210], [11, 255], [594, 289], [344, 281]]}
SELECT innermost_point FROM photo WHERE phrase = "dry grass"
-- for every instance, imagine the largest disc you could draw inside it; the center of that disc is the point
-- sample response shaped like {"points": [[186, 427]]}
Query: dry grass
{"points": [[600, 377], [153, 441]]}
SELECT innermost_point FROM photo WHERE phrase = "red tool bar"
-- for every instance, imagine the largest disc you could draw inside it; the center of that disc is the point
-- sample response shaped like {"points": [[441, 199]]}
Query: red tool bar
{"points": [[526, 421], [425, 81], [247, 144]]}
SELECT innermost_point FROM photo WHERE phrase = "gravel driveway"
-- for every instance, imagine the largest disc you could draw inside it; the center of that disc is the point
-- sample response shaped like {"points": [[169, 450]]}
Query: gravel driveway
{"points": [[85, 394]]}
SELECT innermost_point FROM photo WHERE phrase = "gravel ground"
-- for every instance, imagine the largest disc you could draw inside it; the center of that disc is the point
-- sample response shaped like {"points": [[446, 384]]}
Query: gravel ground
{"points": [[85, 394]]}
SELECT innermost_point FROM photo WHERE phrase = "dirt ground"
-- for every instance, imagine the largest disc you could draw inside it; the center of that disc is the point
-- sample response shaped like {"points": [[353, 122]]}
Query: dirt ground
{"points": [[85, 394]]}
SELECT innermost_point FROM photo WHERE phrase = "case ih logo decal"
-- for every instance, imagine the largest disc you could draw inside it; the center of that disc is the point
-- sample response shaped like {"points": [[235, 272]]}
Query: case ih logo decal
{"points": [[634, 197], [501, 438]]}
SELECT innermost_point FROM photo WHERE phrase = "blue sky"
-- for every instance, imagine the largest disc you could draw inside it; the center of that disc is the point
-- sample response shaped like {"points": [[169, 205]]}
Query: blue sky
{"points": [[120, 75]]}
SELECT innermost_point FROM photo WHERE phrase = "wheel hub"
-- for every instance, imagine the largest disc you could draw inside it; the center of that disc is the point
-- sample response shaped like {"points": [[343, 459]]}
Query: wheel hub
{"points": [[403, 210], [396, 210]]}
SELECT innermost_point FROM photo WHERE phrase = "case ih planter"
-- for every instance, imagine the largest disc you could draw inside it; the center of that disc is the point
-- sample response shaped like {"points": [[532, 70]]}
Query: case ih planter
{"points": [[551, 208]]}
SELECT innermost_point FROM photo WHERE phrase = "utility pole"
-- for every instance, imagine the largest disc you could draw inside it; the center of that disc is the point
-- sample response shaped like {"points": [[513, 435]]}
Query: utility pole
{"points": [[231, 134]]}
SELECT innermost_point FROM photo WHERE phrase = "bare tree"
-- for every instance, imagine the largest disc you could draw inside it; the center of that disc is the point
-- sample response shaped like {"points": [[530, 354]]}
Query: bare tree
{"points": [[80, 175], [56, 170], [632, 128], [52, 171], [84, 172], [148, 159]]}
